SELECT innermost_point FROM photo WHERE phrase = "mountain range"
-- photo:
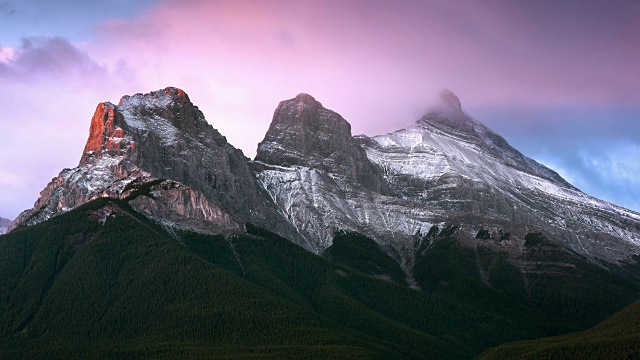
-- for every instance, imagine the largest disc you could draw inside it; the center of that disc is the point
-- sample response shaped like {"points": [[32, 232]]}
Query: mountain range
{"points": [[311, 178], [444, 212]]}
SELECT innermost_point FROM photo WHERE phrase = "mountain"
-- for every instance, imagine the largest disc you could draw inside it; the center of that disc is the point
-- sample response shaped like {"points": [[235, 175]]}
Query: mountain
{"points": [[446, 168], [450, 161], [617, 337], [312, 179], [4, 224], [149, 138], [438, 239]]}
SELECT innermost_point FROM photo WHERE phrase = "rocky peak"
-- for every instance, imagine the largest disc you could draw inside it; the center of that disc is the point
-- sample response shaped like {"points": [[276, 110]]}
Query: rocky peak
{"points": [[447, 120], [158, 98], [304, 133], [307, 100], [166, 110]]}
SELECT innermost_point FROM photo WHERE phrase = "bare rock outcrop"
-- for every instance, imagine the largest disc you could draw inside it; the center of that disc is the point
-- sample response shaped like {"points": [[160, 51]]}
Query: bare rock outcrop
{"points": [[304, 133]]}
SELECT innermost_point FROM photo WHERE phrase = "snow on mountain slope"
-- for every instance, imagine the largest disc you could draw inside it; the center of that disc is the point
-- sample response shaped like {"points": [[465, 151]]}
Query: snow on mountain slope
{"points": [[443, 160], [446, 166], [319, 203]]}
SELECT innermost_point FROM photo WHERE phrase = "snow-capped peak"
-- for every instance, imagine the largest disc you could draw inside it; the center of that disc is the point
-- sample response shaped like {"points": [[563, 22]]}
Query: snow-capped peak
{"points": [[158, 99]]}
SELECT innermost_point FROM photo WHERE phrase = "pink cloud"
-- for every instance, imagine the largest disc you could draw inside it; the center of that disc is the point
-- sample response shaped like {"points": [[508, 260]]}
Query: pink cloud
{"points": [[491, 52], [6, 54]]}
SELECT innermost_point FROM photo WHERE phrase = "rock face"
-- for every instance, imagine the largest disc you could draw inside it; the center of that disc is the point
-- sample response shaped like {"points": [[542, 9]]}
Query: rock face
{"points": [[179, 206], [4, 224], [177, 143], [104, 169], [160, 135]]}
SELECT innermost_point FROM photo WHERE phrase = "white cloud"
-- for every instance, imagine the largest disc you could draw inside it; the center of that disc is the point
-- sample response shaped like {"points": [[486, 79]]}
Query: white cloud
{"points": [[620, 163]]}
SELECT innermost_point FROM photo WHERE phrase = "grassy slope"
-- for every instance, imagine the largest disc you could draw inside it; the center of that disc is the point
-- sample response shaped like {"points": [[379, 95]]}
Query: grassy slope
{"points": [[617, 337]]}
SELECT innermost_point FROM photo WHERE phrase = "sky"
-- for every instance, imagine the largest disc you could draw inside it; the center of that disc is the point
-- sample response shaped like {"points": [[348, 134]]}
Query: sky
{"points": [[560, 80]]}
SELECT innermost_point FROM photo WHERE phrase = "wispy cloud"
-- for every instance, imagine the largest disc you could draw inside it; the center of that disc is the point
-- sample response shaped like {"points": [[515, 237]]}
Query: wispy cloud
{"points": [[614, 165], [602, 168], [48, 58]]}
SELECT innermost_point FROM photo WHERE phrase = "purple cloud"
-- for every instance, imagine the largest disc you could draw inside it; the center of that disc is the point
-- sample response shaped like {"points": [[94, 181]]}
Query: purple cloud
{"points": [[48, 91], [49, 58]]}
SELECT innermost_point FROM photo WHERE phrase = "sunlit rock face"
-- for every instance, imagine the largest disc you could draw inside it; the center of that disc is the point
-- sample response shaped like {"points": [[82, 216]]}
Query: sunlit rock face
{"points": [[104, 168]]}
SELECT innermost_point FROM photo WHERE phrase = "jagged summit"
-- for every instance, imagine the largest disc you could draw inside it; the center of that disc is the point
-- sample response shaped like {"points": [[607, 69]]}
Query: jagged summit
{"points": [[302, 130], [448, 114], [306, 99], [447, 120], [158, 98], [164, 113], [305, 133]]}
